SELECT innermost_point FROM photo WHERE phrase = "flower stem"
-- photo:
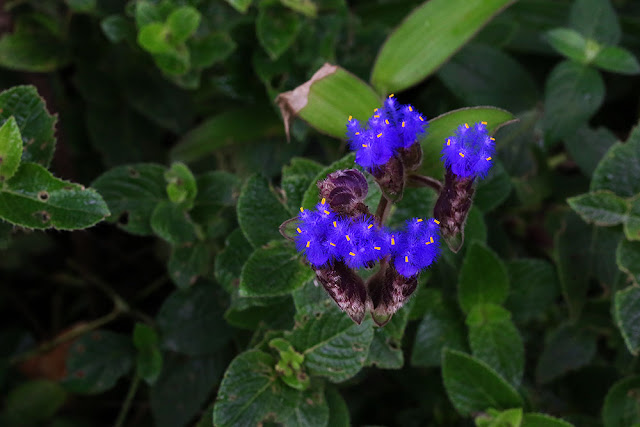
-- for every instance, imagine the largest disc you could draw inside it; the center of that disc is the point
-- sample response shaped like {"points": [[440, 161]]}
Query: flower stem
{"points": [[122, 415], [383, 210], [425, 181]]}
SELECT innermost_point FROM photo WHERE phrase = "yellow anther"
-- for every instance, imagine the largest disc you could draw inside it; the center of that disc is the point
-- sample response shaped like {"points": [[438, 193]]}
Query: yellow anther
{"points": [[402, 124], [335, 224], [393, 241], [376, 116], [308, 243], [379, 135], [448, 142], [484, 123], [461, 155], [488, 158], [431, 239], [332, 244], [406, 259], [370, 225], [348, 238], [421, 119], [301, 209], [493, 139], [323, 201], [466, 125], [386, 121], [375, 109], [299, 231], [391, 96], [357, 133], [419, 220], [364, 145], [327, 212], [352, 254], [350, 117], [410, 108], [436, 221], [377, 248]]}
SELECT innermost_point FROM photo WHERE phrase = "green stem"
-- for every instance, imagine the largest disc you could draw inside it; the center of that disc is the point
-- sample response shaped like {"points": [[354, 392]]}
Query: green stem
{"points": [[383, 210], [126, 405], [425, 181]]}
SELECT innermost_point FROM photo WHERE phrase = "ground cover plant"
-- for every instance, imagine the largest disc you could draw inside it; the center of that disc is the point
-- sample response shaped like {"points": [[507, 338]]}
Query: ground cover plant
{"points": [[319, 212]]}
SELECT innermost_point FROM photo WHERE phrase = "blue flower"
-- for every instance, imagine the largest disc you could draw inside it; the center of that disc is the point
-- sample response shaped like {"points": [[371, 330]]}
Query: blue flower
{"points": [[416, 247], [390, 129], [468, 153], [313, 231]]}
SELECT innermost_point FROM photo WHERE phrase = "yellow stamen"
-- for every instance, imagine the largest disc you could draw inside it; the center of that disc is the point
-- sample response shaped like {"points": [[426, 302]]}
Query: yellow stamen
{"points": [[348, 238], [352, 254], [301, 209], [393, 242], [461, 155], [364, 145], [332, 244], [431, 239], [488, 158], [436, 221], [308, 243], [299, 231], [419, 220], [391, 96], [350, 117], [402, 124], [466, 125], [323, 201], [379, 135], [484, 123], [327, 212], [410, 108], [376, 116], [377, 248], [370, 225], [335, 224], [357, 133], [421, 119], [448, 142], [406, 259], [386, 121], [493, 139], [375, 109]]}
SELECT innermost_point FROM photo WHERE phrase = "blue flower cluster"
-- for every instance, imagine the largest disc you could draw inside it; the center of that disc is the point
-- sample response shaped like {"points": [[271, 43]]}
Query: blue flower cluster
{"points": [[390, 129], [324, 236], [468, 153]]}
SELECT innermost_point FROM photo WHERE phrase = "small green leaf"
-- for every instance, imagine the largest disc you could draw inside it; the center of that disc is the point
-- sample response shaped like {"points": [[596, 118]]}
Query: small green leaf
{"points": [[117, 28], [533, 286], [328, 99], [190, 321], [493, 418], [483, 278], [35, 123], [276, 28], [34, 51], [619, 169], [34, 198], [472, 386], [184, 386], [596, 19], [568, 42], [208, 50], [170, 222], [216, 190], [567, 348], [385, 351], [543, 420], [240, 5], [588, 146], [305, 7], [132, 193], [154, 38], [601, 208], [82, 6], [338, 409], [495, 340], [296, 178], [255, 313], [97, 360], [273, 270], [174, 62], [617, 60], [149, 359], [446, 124], [229, 261], [442, 327], [260, 213], [146, 13], [10, 149], [188, 263], [181, 184], [494, 189], [573, 93], [627, 314], [33, 402], [632, 224], [332, 344], [621, 407], [425, 40], [182, 23]]}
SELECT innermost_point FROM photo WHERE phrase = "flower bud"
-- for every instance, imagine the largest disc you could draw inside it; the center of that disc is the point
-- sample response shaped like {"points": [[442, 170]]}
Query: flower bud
{"points": [[345, 191], [452, 208], [388, 291], [345, 287]]}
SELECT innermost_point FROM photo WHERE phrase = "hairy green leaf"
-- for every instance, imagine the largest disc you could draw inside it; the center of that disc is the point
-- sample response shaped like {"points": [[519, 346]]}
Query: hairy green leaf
{"points": [[483, 278], [621, 407], [189, 262], [617, 59], [10, 149], [277, 28], [149, 358], [172, 223], [182, 23], [568, 42], [596, 19], [229, 261], [600, 208], [533, 288], [627, 315], [567, 348], [33, 402]]}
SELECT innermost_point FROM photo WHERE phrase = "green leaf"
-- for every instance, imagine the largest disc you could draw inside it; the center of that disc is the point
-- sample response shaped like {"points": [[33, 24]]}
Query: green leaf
{"points": [[184, 387], [255, 313], [483, 75], [33, 198], [386, 348], [276, 28], [483, 278], [190, 321], [132, 193], [154, 38], [273, 270], [229, 261], [596, 19], [175, 61], [338, 409], [588, 146], [627, 314], [494, 189], [442, 327], [573, 93], [632, 224], [170, 222], [445, 125], [149, 359], [181, 184], [493, 418], [33, 402], [332, 344], [216, 190], [208, 50], [495, 340], [305, 7], [117, 28], [10, 149], [568, 347], [35, 123], [427, 38], [543, 420], [328, 99], [147, 12], [82, 6], [182, 23], [240, 5], [617, 60], [252, 392], [296, 178], [533, 288], [472, 386], [33, 51], [260, 213], [619, 169], [621, 407], [188, 263], [601, 208], [97, 360], [311, 299], [568, 42]]}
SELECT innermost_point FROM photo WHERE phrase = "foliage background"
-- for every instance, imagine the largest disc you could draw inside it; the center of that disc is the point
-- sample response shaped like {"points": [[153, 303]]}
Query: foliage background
{"points": [[134, 321]]}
